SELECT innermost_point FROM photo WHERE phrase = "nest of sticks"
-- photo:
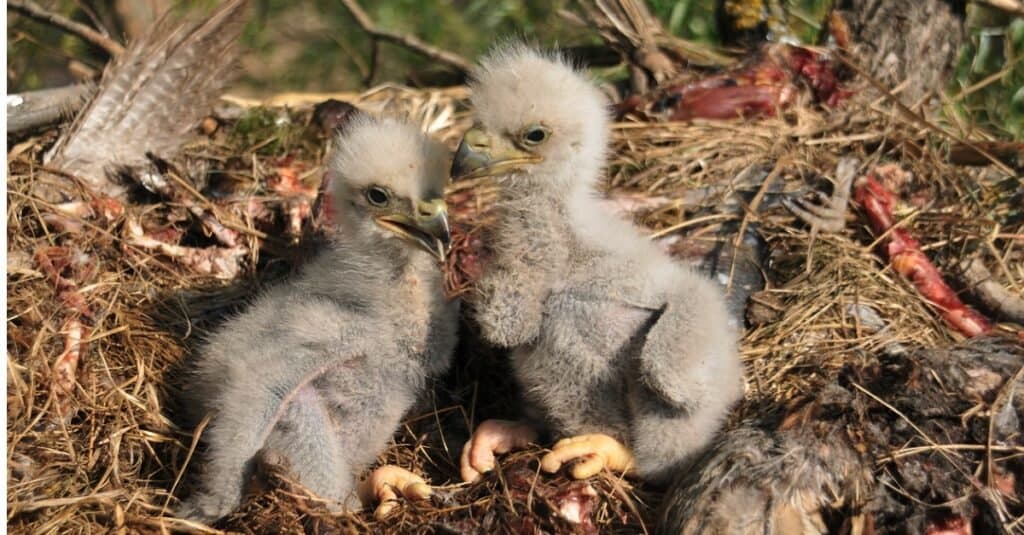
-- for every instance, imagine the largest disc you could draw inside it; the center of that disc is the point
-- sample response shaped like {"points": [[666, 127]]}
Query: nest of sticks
{"points": [[103, 311]]}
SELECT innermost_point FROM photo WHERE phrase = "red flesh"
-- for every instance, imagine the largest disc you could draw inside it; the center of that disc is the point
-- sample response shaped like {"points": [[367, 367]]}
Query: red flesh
{"points": [[905, 256], [761, 88]]}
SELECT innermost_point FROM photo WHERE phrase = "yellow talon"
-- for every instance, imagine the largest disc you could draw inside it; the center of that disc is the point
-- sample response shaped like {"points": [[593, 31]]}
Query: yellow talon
{"points": [[386, 483], [493, 437], [596, 451]]}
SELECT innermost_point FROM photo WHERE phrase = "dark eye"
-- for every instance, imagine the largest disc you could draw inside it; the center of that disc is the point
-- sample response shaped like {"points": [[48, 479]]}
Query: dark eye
{"points": [[535, 135], [377, 196]]}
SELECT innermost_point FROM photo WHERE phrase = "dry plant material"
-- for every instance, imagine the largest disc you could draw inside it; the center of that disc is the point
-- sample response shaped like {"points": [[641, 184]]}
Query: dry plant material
{"points": [[114, 465], [907, 258], [653, 53]]}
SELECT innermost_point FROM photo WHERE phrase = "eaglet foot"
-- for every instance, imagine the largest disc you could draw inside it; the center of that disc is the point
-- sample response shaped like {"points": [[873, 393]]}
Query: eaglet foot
{"points": [[386, 483], [594, 451], [490, 438]]}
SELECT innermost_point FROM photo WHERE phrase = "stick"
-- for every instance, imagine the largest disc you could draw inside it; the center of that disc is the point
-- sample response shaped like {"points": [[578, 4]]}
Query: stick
{"points": [[33, 11], [32, 110], [408, 41]]}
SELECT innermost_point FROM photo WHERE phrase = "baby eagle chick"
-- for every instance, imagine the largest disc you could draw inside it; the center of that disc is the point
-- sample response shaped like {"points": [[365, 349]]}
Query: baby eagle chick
{"points": [[622, 353], [319, 371]]}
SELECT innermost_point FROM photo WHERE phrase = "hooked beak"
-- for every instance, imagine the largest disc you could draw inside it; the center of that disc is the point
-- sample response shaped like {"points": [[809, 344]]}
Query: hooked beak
{"points": [[428, 229], [482, 154]]}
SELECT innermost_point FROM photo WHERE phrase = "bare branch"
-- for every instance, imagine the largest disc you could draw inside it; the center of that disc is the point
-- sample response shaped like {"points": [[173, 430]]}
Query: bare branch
{"points": [[33, 11], [32, 110], [408, 41]]}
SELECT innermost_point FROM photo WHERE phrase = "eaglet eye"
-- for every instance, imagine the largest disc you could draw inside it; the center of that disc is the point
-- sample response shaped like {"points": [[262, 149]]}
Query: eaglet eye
{"points": [[535, 135], [377, 196]]}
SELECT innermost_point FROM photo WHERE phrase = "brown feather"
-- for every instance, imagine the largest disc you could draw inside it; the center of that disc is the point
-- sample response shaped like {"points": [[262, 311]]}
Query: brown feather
{"points": [[151, 98]]}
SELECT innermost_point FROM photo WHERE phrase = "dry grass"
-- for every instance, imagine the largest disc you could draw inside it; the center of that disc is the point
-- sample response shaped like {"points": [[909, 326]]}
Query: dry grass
{"points": [[107, 455]]}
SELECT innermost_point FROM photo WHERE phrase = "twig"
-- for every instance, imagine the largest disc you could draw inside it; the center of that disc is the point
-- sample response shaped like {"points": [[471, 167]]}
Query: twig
{"points": [[198, 432], [25, 507], [408, 41], [917, 117], [34, 11], [91, 13], [374, 60]]}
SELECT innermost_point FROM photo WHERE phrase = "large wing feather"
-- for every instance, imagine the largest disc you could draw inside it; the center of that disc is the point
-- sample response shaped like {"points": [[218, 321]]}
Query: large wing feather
{"points": [[151, 97]]}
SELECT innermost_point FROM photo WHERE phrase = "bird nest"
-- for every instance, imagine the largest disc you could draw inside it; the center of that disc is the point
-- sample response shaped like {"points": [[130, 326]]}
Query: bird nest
{"points": [[104, 310]]}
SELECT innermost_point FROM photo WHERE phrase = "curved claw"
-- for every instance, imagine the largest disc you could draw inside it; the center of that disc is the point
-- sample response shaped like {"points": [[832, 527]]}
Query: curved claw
{"points": [[492, 437], [817, 216], [824, 212], [386, 483], [596, 451]]}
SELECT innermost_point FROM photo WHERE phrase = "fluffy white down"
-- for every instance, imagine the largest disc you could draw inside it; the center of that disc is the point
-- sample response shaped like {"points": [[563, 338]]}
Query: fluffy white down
{"points": [[517, 86], [389, 152]]}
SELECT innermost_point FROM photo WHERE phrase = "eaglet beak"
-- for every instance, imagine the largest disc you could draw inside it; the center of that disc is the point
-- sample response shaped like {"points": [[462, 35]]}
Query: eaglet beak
{"points": [[427, 229], [482, 154]]}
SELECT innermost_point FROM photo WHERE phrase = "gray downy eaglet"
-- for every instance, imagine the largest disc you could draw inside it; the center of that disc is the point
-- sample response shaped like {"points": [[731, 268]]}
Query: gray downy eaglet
{"points": [[623, 354], [320, 370]]}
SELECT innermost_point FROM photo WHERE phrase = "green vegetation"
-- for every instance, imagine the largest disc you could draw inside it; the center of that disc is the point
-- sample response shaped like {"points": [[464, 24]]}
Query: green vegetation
{"points": [[316, 45], [267, 131], [690, 19], [988, 86]]}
